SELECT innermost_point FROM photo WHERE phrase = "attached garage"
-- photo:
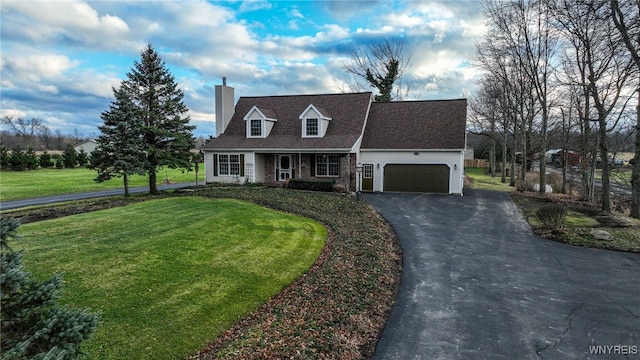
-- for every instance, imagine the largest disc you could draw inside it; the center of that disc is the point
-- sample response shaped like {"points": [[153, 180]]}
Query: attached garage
{"points": [[433, 178]]}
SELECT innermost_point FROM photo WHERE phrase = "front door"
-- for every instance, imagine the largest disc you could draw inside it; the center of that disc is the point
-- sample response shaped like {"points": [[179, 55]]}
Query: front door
{"points": [[367, 177], [284, 167]]}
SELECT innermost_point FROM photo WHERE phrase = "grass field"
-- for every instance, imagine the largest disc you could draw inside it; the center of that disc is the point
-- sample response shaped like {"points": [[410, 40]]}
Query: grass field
{"points": [[169, 275], [16, 185]]}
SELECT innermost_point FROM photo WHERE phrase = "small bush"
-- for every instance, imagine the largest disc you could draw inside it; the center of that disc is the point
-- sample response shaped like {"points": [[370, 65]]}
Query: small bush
{"points": [[311, 184], [552, 217], [340, 188], [530, 179], [555, 181]]}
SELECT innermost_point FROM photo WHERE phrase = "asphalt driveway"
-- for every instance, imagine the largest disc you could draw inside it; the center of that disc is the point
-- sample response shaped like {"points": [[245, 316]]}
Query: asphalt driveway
{"points": [[478, 284], [16, 204]]}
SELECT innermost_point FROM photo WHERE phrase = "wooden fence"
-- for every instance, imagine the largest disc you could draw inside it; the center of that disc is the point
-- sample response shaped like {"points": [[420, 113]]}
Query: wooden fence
{"points": [[475, 163]]}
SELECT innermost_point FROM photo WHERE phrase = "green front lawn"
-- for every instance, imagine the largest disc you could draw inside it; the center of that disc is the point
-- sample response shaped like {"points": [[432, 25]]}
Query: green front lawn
{"points": [[484, 181], [169, 275], [16, 185]]}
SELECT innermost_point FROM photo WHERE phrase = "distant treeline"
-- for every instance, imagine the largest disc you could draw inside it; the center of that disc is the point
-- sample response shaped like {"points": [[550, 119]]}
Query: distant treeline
{"points": [[20, 159], [32, 133]]}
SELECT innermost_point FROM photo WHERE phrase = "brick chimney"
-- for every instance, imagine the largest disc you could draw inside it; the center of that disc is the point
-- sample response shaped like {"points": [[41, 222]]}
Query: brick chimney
{"points": [[224, 106]]}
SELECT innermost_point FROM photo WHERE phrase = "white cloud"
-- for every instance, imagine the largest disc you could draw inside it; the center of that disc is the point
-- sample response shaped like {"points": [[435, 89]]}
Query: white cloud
{"points": [[71, 21], [35, 66], [254, 5]]}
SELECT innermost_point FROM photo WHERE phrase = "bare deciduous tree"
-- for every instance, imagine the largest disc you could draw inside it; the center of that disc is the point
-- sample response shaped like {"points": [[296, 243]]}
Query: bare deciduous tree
{"points": [[604, 71], [27, 129], [626, 18], [381, 65]]}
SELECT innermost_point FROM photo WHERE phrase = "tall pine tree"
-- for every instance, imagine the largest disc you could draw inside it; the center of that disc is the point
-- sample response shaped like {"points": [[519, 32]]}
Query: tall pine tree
{"points": [[166, 131], [121, 148]]}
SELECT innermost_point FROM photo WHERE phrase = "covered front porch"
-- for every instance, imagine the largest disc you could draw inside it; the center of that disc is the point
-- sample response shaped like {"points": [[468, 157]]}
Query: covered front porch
{"points": [[278, 167]]}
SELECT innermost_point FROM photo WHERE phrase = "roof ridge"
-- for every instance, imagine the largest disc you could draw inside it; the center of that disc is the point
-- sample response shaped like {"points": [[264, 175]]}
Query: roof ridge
{"points": [[300, 95], [417, 101]]}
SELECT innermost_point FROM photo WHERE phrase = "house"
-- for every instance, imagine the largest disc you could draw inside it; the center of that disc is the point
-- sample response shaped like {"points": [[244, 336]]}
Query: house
{"points": [[415, 146], [88, 146], [556, 157]]}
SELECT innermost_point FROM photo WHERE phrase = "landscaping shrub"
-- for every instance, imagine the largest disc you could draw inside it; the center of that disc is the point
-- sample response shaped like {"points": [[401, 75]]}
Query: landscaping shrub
{"points": [[530, 179], [552, 216], [555, 181], [311, 184]]}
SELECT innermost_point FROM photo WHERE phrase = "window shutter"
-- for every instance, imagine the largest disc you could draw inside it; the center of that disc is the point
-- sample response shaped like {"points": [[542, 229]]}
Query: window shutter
{"points": [[241, 164], [313, 165], [215, 164]]}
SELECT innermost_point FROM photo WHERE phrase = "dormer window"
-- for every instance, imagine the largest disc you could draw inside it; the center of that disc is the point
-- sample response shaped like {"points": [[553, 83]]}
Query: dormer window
{"points": [[311, 127], [256, 128], [259, 122], [315, 121]]}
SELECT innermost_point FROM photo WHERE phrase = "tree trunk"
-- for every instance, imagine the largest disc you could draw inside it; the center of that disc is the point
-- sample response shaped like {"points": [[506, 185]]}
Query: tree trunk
{"points": [[512, 181], [153, 188], [543, 151], [565, 159], [492, 158], [604, 157], [125, 179], [504, 157], [635, 175]]}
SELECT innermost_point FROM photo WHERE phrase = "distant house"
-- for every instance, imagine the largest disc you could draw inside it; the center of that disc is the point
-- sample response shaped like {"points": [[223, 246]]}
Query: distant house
{"points": [[415, 146], [88, 146], [556, 157]]}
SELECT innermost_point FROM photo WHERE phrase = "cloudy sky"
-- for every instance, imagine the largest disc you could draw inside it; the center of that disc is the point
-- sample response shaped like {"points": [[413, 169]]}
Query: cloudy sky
{"points": [[60, 58]]}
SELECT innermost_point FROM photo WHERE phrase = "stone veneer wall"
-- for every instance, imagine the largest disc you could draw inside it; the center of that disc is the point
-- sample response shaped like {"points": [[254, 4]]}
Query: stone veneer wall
{"points": [[269, 168]]}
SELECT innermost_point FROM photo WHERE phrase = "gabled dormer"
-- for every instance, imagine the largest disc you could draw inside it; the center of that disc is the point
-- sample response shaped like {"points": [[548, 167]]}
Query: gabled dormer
{"points": [[259, 122], [315, 121]]}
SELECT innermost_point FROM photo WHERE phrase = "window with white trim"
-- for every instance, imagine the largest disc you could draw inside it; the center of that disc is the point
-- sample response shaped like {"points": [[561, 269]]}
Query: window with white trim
{"points": [[327, 165], [367, 171], [256, 127], [229, 164], [312, 127]]}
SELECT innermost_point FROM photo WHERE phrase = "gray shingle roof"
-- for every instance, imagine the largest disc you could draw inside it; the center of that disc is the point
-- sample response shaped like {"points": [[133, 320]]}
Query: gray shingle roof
{"points": [[430, 124], [424, 125]]}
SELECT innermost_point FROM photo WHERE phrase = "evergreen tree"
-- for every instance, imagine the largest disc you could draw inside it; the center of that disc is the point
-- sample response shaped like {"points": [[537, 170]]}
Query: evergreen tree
{"points": [[18, 159], [32, 323], [58, 161], [70, 157], [120, 150], [4, 157], [31, 159], [166, 130], [45, 160], [83, 158]]}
